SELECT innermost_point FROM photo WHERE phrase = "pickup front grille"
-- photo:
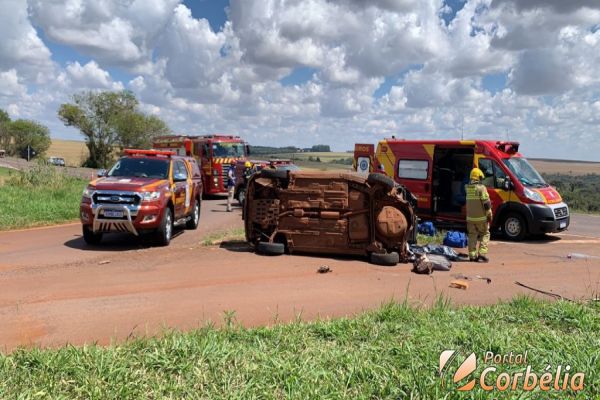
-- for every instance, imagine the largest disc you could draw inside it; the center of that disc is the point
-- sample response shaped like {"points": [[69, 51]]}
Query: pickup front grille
{"points": [[116, 198], [561, 212]]}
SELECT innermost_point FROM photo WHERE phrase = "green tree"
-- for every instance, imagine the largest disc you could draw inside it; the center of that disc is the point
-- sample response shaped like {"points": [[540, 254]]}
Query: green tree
{"points": [[107, 120], [29, 133], [4, 130]]}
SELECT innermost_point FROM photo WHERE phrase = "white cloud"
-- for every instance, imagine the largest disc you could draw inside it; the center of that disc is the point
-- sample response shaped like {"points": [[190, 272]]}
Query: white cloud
{"points": [[200, 80]]}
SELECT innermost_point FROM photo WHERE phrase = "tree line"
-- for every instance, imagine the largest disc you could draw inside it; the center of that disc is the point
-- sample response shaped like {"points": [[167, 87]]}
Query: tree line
{"points": [[108, 121], [580, 192], [16, 136]]}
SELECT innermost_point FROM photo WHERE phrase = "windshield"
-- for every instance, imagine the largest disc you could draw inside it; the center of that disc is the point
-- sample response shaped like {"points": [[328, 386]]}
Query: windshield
{"points": [[524, 172], [229, 149], [140, 168]]}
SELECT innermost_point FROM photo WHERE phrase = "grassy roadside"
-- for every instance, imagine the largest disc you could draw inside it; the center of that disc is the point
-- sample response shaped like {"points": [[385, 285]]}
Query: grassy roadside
{"points": [[41, 196], [215, 239], [390, 353]]}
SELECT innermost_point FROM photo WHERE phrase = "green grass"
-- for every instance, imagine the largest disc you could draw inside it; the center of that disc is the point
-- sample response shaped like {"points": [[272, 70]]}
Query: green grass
{"points": [[41, 196], [217, 238], [392, 353], [4, 171]]}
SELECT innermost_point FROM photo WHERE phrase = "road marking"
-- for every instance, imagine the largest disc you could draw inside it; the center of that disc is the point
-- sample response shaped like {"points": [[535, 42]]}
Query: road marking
{"points": [[575, 235]]}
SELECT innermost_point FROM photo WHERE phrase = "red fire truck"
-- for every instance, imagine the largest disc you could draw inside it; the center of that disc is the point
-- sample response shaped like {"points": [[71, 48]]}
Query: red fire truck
{"points": [[214, 153], [436, 171]]}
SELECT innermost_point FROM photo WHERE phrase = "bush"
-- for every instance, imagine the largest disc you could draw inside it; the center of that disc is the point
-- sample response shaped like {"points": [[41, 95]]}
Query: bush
{"points": [[579, 192]]}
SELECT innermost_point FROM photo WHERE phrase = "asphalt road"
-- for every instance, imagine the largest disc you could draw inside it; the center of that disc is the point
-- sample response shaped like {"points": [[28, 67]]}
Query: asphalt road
{"points": [[57, 290]]}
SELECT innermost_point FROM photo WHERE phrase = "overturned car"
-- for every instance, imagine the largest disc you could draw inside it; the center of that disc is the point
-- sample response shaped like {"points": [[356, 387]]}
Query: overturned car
{"points": [[329, 213]]}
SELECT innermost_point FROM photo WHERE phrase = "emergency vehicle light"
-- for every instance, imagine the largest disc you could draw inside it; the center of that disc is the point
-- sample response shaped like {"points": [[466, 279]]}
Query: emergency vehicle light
{"points": [[508, 147], [135, 152]]}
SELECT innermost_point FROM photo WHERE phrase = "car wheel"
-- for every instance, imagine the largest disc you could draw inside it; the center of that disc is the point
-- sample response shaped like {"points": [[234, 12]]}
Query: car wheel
{"points": [[241, 196], [193, 222], [385, 259], [274, 249], [90, 237], [514, 227], [165, 232], [274, 173], [385, 181]]}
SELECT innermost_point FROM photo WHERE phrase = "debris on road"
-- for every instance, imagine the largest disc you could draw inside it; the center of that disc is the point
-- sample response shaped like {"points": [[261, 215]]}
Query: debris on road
{"points": [[579, 256], [459, 284], [323, 269], [463, 277], [556, 296], [427, 263], [104, 262], [484, 278]]}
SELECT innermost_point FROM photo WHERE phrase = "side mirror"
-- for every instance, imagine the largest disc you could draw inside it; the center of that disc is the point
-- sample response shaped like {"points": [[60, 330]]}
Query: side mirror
{"points": [[179, 177], [102, 173], [507, 185]]}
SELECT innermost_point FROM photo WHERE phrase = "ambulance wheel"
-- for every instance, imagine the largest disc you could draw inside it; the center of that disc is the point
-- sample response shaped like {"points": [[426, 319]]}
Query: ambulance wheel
{"points": [[385, 259], [272, 249], [273, 173], [90, 237], [514, 227], [381, 179]]}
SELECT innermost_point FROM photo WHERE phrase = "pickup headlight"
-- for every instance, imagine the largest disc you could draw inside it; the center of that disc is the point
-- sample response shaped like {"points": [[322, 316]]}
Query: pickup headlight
{"points": [[533, 195], [150, 196], [88, 192]]}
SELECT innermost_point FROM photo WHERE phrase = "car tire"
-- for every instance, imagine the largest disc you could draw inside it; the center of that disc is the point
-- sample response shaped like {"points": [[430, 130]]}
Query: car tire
{"points": [[90, 237], [274, 173], [272, 249], [241, 197], [194, 221], [385, 259], [514, 227], [380, 179], [165, 232]]}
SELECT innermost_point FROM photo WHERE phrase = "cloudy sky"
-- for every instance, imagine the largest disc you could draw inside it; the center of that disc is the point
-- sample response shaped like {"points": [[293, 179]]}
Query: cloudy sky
{"points": [[302, 72]]}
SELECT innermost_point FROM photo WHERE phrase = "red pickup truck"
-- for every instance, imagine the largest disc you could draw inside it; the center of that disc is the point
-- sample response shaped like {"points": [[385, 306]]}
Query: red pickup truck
{"points": [[146, 191]]}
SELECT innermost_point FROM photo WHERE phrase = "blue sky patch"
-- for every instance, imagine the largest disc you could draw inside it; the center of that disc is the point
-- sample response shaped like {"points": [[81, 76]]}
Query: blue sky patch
{"points": [[212, 10], [455, 7], [494, 83], [298, 76], [393, 80]]}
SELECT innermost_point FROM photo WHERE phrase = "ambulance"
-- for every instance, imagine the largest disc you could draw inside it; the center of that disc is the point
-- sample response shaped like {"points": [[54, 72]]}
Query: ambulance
{"points": [[436, 172]]}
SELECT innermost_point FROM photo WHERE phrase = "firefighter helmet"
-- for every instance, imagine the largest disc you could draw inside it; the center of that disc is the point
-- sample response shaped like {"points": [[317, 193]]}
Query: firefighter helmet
{"points": [[248, 164], [477, 174]]}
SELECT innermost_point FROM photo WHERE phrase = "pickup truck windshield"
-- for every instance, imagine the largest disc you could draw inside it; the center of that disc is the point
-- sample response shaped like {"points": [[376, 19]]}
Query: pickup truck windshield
{"points": [[140, 168], [525, 172], [225, 149]]}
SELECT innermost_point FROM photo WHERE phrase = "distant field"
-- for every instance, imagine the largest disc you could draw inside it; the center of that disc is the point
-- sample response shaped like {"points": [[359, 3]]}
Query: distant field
{"points": [[566, 167], [74, 152]]}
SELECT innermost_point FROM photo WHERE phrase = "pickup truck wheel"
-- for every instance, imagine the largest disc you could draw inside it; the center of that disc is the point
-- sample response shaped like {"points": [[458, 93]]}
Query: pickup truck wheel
{"points": [[241, 197], [274, 249], [385, 259], [514, 227], [194, 220], [381, 179], [165, 232], [90, 237]]}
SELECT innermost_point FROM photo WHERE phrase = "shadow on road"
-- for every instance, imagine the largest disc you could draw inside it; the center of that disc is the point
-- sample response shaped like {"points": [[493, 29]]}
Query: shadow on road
{"points": [[536, 239], [237, 246], [117, 242]]}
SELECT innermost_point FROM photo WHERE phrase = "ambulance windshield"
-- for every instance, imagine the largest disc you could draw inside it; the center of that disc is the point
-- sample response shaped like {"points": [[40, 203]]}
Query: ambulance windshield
{"points": [[525, 172]]}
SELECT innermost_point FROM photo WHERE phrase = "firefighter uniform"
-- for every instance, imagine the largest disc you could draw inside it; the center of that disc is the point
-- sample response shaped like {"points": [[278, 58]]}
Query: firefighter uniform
{"points": [[479, 215]]}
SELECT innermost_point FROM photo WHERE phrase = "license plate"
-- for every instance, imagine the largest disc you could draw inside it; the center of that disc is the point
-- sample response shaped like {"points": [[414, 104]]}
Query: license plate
{"points": [[563, 225], [113, 214]]}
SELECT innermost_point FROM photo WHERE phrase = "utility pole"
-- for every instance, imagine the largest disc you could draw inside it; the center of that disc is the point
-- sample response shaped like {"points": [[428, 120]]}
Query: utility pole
{"points": [[462, 125], [28, 152]]}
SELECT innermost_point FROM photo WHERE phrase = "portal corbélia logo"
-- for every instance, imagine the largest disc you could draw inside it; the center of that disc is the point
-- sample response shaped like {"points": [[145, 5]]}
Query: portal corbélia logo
{"points": [[464, 378]]}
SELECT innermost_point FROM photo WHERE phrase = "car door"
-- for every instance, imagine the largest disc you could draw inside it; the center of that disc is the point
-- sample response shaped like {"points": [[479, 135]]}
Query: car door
{"points": [[181, 192]]}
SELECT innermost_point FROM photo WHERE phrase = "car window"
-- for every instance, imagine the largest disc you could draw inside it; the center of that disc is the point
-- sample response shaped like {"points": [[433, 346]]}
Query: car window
{"points": [[180, 170], [141, 168], [413, 169], [494, 175]]}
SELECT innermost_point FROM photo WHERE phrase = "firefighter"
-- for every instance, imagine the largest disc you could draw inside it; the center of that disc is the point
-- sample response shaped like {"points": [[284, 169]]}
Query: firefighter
{"points": [[248, 171], [230, 185], [479, 216]]}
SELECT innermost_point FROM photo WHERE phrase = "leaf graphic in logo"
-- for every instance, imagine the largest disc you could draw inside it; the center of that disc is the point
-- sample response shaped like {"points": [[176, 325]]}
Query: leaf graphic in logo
{"points": [[466, 368], [444, 357]]}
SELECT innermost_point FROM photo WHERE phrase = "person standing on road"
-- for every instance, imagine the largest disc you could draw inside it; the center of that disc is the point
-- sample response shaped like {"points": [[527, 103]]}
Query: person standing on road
{"points": [[230, 185], [479, 216]]}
